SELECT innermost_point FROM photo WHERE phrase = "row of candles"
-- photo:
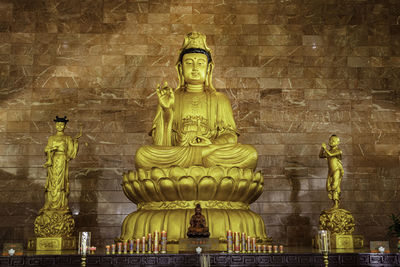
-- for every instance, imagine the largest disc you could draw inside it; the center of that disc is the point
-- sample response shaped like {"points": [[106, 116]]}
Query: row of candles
{"points": [[241, 243], [155, 243]]}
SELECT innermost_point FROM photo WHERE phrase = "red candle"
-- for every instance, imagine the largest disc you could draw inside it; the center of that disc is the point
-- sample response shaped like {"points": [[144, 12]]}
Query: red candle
{"points": [[164, 242], [229, 241]]}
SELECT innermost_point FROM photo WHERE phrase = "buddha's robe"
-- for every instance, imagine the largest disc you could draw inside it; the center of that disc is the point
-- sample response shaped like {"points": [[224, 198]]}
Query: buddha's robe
{"points": [[207, 114]]}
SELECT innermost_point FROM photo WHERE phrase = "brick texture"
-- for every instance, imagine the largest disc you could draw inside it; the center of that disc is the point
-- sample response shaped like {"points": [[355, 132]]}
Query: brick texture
{"points": [[296, 72]]}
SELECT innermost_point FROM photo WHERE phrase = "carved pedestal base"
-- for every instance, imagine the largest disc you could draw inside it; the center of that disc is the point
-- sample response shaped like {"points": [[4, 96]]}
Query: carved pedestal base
{"points": [[52, 243], [340, 223], [54, 229], [337, 221], [54, 223]]}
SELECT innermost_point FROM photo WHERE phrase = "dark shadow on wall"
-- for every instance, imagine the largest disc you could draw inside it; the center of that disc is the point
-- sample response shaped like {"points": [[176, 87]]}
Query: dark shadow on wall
{"points": [[298, 227], [21, 199], [86, 179]]}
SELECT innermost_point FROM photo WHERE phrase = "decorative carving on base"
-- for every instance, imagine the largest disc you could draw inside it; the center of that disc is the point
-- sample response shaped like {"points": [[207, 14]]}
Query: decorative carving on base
{"points": [[337, 221], [54, 224], [340, 223]]}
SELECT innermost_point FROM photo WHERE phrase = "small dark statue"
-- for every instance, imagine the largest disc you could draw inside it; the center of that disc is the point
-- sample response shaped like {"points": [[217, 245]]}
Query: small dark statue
{"points": [[198, 228]]}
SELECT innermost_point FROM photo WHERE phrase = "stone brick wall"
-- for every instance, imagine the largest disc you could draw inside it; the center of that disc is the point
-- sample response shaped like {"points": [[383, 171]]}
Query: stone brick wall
{"points": [[296, 71]]}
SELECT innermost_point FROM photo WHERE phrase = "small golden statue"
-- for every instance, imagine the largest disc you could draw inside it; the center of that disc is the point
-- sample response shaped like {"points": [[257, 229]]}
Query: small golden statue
{"points": [[55, 218], [339, 222], [195, 158], [335, 173], [198, 228]]}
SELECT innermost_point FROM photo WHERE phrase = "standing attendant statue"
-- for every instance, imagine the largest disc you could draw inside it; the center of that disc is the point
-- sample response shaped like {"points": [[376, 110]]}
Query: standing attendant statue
{"points": [[335, 172], [55, 217], [337, 221]]}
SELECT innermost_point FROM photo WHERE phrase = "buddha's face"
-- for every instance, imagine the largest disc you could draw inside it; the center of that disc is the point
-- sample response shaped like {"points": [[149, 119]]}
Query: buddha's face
{"points": [[194, 68], [60, 126]]}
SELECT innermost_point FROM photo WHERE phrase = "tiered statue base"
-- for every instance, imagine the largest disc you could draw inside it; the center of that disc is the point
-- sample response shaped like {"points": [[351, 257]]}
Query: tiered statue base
{"points": [[166, 200]]}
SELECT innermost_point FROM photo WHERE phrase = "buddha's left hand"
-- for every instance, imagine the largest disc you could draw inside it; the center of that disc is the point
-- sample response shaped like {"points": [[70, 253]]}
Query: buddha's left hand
{"points": [[200, 141]]}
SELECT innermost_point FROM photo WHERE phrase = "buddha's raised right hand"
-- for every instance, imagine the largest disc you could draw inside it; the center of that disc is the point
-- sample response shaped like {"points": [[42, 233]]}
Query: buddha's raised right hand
{"points": [[166, 97]]}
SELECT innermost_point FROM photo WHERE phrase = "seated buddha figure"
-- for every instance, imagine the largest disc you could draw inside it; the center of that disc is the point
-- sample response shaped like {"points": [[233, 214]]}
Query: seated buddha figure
{"points": [[198, 228], [195, 158], [194, 124]]}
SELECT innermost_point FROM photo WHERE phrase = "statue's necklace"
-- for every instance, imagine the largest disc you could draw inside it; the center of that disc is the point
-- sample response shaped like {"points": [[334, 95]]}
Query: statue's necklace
{"points": [[195, 102]]}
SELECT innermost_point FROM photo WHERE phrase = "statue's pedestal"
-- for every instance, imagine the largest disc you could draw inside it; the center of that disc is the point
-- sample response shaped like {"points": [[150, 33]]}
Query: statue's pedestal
{"points": [[206, 244], [52, 243], [340, 223], [166, 198]]}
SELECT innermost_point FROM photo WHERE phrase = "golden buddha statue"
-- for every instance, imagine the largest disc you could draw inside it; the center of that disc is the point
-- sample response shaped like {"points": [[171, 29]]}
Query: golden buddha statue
{"points": [[195, 158], [194, 125]]}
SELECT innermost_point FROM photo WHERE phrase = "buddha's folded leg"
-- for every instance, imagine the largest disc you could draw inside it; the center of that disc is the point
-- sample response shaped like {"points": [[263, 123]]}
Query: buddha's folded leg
{"points": [[167, 156], [237, 155]]}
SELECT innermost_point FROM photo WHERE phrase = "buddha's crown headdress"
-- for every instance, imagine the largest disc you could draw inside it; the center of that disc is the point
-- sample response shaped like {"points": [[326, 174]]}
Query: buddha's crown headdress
{"points": [[195, 42]]}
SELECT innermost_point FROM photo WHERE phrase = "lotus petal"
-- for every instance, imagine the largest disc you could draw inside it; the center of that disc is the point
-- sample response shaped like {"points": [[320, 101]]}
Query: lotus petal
{"points": [[257, 194], [258, 177], [125, 177], [225, 189], [176, 173], [235, 173], [156, 174], [248, 174], [142, 174], [138, 192], [132, 175], [129, 192], [197, 172], [217, 172], [241, 190], [187, 188], [250, 192], [168, 189], [207, 188], [151, 189]]}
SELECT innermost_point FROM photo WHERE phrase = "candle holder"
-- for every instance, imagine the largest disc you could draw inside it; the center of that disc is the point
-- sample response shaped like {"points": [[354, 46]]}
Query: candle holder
{"points": [[84, 242], [324, 244]]}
